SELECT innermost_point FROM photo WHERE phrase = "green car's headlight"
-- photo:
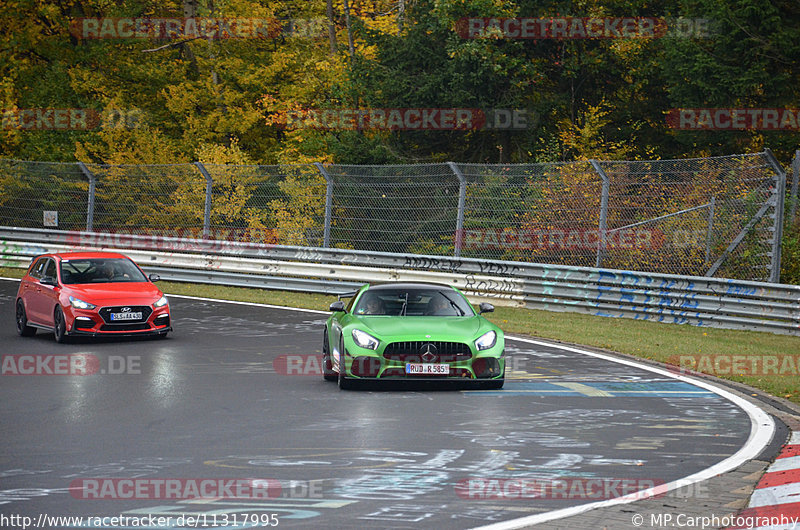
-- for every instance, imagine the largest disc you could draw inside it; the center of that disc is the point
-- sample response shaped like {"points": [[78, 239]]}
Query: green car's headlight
{"points": [[365, 340], [161, 302], [486, 341], [80, 304]]}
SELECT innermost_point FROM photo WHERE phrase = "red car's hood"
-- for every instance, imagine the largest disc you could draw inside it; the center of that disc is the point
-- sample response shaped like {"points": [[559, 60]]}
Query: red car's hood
{"points": [[140, 293]]}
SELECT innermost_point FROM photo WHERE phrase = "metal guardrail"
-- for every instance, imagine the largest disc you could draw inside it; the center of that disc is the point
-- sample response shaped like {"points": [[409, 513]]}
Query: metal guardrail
{"points": [[700, 301]]}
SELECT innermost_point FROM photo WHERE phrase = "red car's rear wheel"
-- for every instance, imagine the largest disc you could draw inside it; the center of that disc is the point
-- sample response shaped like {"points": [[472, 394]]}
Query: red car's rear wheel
{"points": [[22, 321]]}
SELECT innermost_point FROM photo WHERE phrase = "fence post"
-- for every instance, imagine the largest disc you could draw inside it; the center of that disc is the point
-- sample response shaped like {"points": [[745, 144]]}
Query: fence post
{"points": [[710, 227], [326, 234], [601, 243], [207, 211], [777, 232], [462, 199], [90, 200], [795, 179]]}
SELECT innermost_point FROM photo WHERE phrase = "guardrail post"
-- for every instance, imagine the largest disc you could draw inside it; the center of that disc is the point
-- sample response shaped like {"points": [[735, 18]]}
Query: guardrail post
{"points": [[795, 179], [462, 199], [710, 227], [326, 234], [601, 243], [207, 210], [777, 233], [90, 200]]}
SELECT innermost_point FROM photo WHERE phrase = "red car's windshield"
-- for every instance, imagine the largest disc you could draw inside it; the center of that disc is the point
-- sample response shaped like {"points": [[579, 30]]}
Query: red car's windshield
{"points": [[100, 270]]}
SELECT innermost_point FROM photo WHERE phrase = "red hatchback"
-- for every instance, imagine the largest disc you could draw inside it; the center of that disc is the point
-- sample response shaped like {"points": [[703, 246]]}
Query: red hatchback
{"points": [[90, 293]]}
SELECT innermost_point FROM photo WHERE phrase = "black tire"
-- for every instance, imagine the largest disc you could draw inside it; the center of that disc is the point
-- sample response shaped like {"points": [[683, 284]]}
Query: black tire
{"points": [[327, 363], [22, 321], [59, 325], [344, 382]]}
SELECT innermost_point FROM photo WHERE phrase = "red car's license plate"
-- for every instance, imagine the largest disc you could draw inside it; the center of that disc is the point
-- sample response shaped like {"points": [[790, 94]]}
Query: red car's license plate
{"points": [[427, 368], [127, 316]]}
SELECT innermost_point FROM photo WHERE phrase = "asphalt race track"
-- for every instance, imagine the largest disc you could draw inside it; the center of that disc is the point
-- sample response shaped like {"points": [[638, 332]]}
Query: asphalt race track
{"points": [[215, 401]]}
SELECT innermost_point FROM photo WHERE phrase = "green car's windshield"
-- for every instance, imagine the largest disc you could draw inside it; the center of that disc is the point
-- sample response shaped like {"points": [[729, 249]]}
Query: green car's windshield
{"points": [[413, 302]]}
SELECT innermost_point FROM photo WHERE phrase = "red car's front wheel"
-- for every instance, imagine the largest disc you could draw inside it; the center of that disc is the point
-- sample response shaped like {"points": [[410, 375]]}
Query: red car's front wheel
{"points": [[59, 325]]}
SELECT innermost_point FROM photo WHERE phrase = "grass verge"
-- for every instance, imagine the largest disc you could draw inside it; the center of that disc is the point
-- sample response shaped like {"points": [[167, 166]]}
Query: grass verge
{"points": [[647, 340]]}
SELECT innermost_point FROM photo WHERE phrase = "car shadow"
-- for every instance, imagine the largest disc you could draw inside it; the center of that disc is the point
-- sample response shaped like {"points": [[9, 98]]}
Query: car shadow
{"points": [[424, 386], [45, 336]]}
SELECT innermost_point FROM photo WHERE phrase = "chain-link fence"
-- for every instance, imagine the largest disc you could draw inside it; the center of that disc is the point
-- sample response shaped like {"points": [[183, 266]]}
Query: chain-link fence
{"points": [[717, 216]]}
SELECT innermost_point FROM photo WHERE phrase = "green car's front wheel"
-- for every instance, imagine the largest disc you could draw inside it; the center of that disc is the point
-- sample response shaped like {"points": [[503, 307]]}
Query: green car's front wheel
{"points": [[344, 382], [327, 363]]}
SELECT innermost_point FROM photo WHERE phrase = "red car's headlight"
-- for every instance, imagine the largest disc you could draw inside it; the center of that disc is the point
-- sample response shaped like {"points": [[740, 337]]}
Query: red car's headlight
{"points": [[161, 302], [80, 304]]}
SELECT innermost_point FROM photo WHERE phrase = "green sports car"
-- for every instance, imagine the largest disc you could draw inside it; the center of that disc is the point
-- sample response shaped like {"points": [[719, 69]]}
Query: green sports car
{"points": [[412, 332]]}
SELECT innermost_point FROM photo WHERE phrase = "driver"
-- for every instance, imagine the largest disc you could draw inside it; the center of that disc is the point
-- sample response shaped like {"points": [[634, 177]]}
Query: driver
{"points": [[439, 306], [374, 307], [107, 271]]}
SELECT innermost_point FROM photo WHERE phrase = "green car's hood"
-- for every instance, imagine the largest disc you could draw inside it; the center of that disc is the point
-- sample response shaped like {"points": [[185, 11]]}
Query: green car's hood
{"points": [[416, 328]]}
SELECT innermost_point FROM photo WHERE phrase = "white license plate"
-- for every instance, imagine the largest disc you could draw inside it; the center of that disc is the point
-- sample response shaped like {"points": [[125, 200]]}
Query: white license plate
{"points": [[427, 369], [127, 316]]}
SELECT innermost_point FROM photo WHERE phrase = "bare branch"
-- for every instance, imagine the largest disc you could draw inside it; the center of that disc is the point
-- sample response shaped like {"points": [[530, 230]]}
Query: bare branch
{"points": [[171, 44]]}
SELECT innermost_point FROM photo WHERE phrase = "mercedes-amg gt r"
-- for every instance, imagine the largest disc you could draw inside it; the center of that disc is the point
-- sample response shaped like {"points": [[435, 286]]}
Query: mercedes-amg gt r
{"points": [[412, 332]]}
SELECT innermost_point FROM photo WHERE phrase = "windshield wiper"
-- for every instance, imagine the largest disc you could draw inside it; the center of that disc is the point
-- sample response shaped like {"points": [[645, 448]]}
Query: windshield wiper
{"points": [[405, 304], [460, 311]]}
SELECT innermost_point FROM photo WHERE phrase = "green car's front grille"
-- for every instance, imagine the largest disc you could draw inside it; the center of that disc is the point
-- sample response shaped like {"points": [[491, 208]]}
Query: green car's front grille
{"points": [[427, 352]]}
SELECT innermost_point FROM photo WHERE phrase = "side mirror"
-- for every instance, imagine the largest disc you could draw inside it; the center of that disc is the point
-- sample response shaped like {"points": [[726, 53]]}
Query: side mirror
{"points": [[154, 277], [485, 307], [48, 280], [337, 306]]}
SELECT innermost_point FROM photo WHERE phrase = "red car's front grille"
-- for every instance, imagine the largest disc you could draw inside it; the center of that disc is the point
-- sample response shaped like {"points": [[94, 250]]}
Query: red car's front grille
{"points": [[427, 352], [105, 314]]}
